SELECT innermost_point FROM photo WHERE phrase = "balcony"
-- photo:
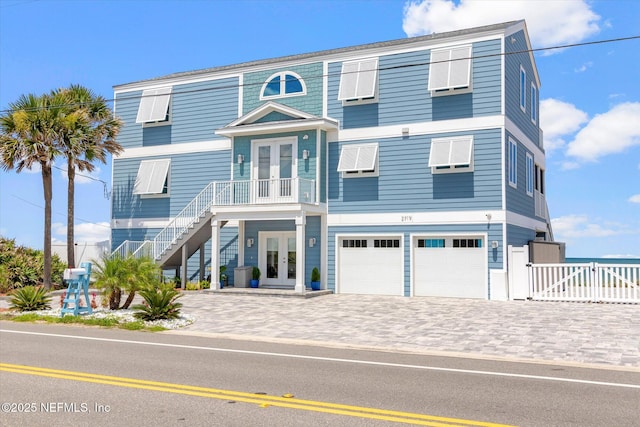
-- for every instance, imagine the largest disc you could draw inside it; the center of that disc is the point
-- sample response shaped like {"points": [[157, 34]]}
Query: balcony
{"points": [[264, 191], [541, 205]]}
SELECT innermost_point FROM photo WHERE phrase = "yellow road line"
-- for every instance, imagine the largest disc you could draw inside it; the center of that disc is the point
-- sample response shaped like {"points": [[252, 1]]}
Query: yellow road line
{"points": [[291, 403]]}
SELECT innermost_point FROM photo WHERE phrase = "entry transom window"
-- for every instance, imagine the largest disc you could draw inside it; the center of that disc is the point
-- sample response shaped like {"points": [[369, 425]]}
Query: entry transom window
{"points": [[359, 81], [450, 70], [451, 155], [154, 106], [359, 160], [282, 84], [152, 178]]}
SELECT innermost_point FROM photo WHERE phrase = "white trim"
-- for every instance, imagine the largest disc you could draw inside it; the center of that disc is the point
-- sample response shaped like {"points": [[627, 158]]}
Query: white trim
{"points": [[325, 89], [522, 86], [533, 104], [529, 171], [175, 149], [283, 84], [240, 94], [503, 82], [269, 127], [512, 164], [524, 221], [416, 218], [128, 223], [422, 128], [266, 109], [417, 235], [357, 235]]}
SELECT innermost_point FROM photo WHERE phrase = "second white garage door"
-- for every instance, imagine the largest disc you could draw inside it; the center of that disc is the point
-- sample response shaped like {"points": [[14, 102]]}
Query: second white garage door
{"points": [[450, 266], [370, 265]]}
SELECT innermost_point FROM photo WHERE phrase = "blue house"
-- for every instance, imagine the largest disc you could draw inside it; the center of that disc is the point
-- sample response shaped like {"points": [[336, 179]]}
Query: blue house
{"points": [[405, 167]]}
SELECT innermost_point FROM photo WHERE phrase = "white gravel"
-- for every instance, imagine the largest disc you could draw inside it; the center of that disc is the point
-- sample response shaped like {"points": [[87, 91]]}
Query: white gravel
{"points": [[122, 316]]}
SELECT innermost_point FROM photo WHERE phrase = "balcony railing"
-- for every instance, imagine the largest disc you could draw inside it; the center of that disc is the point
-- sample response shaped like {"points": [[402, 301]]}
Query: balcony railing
{"points": [[541, 204], [265, 191]]}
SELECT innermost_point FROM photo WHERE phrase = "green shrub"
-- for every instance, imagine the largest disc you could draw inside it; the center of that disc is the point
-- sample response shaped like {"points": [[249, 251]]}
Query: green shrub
{"points": [[159, 304], [22, 266], [315, 275], [255, 273], [116, 275], [30, 298]]}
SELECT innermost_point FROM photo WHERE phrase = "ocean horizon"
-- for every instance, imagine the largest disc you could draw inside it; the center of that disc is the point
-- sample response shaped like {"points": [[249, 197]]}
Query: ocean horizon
{"points": [[603, 260]]}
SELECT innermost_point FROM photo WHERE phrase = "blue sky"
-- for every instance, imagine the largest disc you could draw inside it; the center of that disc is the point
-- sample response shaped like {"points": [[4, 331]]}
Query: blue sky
{"points": [[590, 96]]}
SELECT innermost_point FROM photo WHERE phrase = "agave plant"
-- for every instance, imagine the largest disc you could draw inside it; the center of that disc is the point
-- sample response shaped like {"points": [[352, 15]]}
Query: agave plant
{"points": [[30, 298], [159, 303]]}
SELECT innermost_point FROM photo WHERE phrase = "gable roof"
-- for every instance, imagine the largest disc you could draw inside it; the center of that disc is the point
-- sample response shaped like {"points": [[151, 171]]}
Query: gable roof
{"points": [[307, 56]]}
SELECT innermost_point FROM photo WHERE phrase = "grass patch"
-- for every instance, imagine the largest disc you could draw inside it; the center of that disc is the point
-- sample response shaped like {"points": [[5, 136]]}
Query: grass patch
{"points": [[105, 322]]}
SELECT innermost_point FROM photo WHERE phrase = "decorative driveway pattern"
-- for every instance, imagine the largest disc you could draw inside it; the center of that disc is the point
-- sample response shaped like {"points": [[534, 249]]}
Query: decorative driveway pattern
{"points": [[607, 334]]}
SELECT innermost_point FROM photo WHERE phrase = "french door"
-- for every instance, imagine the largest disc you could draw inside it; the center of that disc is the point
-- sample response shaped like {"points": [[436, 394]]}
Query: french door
{"points": [[274, 170], [277, 257]]}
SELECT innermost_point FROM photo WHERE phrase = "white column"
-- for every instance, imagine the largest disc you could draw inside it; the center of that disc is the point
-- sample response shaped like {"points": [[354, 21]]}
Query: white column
{"points": [[324, 251], [185, 259], [215, 254], [300, 258]]}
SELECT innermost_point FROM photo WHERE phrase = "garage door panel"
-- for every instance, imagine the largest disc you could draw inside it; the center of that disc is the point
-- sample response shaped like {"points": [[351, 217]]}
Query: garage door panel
{"points": [[449, 271], [370, 270]]}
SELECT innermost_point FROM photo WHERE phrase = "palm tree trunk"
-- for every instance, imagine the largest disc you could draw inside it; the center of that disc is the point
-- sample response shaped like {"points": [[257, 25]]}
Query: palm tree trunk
{"points": [[48, 191], [129, 299], [71, 173]]}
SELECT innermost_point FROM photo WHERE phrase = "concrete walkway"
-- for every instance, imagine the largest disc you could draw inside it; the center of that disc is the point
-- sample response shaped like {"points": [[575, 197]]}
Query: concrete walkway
{"points": [[583, 333]]}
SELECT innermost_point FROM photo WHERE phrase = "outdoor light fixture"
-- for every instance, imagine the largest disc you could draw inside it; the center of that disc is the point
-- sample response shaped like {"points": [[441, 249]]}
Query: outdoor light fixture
{"points": [[240, 159], [494, 244], [305, 154], [249, 242], [405, 131], [312, 242]]}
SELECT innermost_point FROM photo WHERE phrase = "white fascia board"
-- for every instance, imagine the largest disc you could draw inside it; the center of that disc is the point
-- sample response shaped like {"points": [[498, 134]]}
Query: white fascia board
{"points": [[538, 154], [267, 108], [125, 224], [423, 128], [175, 149], [325, 89], [324, 124], [174, 81], [267, 212], [417, 218], [525, 221]]}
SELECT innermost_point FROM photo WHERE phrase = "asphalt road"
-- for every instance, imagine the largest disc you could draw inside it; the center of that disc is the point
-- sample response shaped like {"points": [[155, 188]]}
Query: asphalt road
{"points": [[54, 375]]}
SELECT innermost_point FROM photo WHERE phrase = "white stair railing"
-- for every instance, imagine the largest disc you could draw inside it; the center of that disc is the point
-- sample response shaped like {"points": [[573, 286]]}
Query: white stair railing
{"points": [[185, 219]]}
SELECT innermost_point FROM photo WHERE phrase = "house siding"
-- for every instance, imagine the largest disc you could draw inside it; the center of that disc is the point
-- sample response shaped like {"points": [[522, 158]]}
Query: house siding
{"points": [[404, 97], [517, 55], [519, 236], [517, 199], [406, 183], [186, 181], [310, 103]]}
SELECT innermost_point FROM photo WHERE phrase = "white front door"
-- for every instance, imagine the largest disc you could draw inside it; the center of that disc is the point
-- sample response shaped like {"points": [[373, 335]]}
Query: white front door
{"points": [[275, 170], [277, 260]]}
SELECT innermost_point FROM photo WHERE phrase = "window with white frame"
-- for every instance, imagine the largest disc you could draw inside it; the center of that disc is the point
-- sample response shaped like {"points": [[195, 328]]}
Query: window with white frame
{"points": [[359, 81], [534, 104], [513, 163], [152, 178], [449, 155], [539, 179], [283, 84], [450, 70], [154, 106], [523, 89], [358, 160], [530, 175]]}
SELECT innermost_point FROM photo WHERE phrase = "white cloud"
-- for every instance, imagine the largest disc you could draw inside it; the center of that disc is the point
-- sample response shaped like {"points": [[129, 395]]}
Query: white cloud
{"points": [[635, 198], [583, 67], [559, 119], [576, 226], [551, 24], [607, 133], [82, 177], [84, 232]]}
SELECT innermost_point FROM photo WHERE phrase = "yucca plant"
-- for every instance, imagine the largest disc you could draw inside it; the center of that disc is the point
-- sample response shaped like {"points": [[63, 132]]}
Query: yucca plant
{"points": [[159, 303], [30, 298]]}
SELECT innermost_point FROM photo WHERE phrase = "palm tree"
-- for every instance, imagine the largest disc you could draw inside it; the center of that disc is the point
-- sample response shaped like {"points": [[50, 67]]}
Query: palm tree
{"points": [[29, 130], [89, 138]]}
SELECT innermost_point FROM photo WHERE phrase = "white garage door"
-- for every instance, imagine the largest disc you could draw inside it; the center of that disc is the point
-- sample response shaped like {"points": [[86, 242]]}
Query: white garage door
{"points": [[450, 266], [370, 265]]}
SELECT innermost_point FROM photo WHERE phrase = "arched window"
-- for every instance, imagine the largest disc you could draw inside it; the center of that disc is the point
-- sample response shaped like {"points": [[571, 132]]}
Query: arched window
{"points": [[285, 83]]}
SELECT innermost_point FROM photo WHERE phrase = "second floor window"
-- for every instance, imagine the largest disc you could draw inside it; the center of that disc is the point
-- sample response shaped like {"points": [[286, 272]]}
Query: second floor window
{"points": [[450, 71], [282, 84]]}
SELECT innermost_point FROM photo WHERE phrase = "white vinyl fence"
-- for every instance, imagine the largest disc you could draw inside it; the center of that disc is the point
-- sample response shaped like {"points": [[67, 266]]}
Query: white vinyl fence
{"points": [[619, 283]]}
